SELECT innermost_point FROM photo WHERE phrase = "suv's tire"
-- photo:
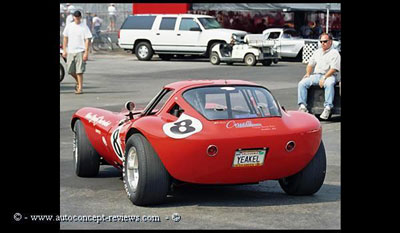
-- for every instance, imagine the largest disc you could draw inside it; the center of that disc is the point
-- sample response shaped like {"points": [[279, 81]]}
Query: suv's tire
{"points": [[309, 180], [85, 157], [214, 58], [145, 178], [250, 59], [143, 51]]}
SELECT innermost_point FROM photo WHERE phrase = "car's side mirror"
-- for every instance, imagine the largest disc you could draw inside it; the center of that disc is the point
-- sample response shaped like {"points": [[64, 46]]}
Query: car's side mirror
{"points": [[130, 106]]}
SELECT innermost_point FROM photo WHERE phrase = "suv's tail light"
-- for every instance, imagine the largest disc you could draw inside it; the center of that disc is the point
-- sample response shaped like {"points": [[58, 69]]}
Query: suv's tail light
{"points": [[119, 33]]}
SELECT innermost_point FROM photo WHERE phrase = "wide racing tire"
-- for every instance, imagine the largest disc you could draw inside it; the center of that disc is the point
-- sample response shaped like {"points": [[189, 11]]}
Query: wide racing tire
{"points": [[145, 178], [85, 157], [309, 180]]}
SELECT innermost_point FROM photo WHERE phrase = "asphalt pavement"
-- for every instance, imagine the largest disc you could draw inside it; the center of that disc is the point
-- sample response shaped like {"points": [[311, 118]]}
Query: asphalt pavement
{"points": [[111, 79]]}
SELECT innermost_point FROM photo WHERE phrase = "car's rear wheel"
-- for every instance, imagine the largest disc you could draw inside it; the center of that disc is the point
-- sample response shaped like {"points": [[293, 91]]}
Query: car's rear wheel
{"points": [[309, 180], [214, 58], [250, 59], [145, 178], [143, 51], [86, 159]]}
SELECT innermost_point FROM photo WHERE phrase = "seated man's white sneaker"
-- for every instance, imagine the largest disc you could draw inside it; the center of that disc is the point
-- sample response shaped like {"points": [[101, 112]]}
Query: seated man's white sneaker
{"points": [[325, 114], [303, 108]]}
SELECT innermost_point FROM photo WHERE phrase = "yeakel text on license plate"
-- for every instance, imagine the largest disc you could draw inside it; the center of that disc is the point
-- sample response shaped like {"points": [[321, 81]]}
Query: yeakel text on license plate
{"points": [[249, 158]]}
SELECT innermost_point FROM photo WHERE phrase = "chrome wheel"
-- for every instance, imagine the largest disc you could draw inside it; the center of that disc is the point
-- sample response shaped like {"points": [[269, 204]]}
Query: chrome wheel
{"points": [[143, 51], [75, 150], [132, 168]]}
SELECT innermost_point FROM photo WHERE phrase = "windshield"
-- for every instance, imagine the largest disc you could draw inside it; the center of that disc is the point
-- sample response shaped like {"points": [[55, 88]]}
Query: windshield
{"points": [[209, 23], [232, 102], [157, 102]]}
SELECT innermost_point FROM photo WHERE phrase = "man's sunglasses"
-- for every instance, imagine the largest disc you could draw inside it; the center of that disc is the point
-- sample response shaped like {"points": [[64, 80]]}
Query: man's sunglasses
{"points": [[324, 41]]}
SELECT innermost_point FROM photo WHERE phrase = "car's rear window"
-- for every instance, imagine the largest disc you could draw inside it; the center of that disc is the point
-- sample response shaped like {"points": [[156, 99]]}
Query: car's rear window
{"points": [[138, 22], [232, 102]]}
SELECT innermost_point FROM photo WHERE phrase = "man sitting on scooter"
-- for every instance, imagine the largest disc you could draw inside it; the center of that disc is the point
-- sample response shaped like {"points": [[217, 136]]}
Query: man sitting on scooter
{"points": [[228, 47]]}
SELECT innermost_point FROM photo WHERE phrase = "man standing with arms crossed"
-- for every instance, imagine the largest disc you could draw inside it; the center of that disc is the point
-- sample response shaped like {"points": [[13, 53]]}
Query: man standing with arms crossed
{"points": [[76, 49], [326, 64]]}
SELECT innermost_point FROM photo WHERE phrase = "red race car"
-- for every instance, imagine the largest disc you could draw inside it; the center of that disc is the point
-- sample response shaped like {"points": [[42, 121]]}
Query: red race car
{"points": [[203, 132]]}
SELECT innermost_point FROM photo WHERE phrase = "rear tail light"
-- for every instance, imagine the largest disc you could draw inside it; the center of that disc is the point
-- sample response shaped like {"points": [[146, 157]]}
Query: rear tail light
{"points": [[212, 150], [119, 33]]}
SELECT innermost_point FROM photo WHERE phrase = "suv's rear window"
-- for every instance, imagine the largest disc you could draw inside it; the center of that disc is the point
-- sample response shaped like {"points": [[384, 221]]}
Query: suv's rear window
{"points": [[232, 102], [138, 22]]}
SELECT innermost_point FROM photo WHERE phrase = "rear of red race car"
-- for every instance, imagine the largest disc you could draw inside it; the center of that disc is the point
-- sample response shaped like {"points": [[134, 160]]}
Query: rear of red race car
{"points": [[211, 132]]}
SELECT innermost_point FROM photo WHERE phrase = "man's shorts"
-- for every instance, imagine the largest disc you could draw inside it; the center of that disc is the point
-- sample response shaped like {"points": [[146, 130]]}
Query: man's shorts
{"points": [[75, 63], [112, 18]]}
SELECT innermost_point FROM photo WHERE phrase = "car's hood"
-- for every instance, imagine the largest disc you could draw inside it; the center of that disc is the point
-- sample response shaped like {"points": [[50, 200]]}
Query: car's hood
{"points": [[226, 30]]}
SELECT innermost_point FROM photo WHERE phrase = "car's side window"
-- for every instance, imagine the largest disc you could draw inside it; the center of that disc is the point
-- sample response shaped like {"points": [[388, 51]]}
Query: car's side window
{"points": [[274, 35], [188, 23], [286, 35], [176, 110], [168, 23]]}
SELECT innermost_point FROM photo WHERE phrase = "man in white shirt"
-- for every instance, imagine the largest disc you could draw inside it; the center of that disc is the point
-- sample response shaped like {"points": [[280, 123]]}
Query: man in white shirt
{"points": [[96, 24], [76, 49], [112, 14], [326, 64]]}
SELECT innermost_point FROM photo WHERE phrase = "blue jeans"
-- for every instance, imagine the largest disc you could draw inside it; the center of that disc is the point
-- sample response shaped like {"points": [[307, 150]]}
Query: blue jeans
{"points": [[96, 30], [312, 80]]}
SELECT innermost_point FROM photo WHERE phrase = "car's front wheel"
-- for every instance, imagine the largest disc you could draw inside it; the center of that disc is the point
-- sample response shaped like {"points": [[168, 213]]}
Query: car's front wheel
{"points": [[85, 157], [309, 180], [145, 178]]}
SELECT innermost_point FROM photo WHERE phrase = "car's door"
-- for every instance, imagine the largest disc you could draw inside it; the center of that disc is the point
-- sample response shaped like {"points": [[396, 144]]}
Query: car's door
{"points": [[189, 35], [165, 35], [290, 46]]}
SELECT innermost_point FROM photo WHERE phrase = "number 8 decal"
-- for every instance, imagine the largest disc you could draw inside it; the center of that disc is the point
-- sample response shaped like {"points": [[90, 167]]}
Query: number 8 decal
{"points": [[184, 127]]}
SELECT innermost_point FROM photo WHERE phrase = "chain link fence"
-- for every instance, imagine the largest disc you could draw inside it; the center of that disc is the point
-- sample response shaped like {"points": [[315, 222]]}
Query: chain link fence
{"points": [[101, 10]]}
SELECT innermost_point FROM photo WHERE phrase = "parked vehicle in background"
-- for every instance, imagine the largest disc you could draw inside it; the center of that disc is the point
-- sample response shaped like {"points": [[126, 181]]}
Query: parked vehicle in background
{"points": [[173, 34], [63, 65], [253, 50], [290, 42], [101, 42]]}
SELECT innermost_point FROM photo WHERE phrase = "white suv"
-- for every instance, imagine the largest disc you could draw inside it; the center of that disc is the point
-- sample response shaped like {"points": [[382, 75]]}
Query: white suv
{"points": [[170, 34]]}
